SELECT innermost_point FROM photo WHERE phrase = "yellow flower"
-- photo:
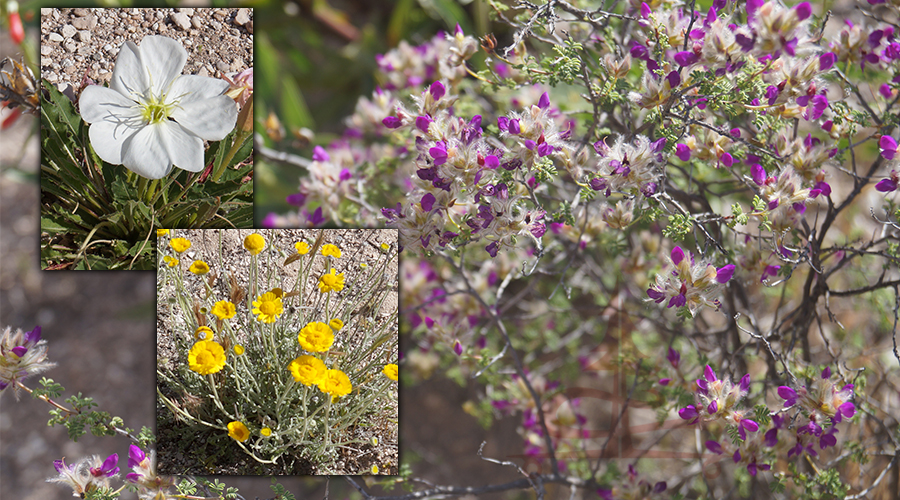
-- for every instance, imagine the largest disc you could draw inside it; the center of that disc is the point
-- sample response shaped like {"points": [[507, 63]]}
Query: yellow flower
{"points": [[336, 383], [179, 244], [238, 349], [307, 370], [206, 357], [224, 309], [265, 431], [254, 243], [336, 324], [333, 250], [302, 247], [238, 431], [316, 337], [268, 307], [161, 232], [331, 282], [385, 247], [391, 371], [170, 261], [374, 441], [199, 267], [374, 469], [203, 333]]}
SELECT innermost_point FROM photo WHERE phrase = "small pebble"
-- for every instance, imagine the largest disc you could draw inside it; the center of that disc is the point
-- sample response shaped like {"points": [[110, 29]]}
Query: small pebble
{"points": [[46, 50], [84, 36], [181, 20], [68, 31], [56, 37], [242, 17], [85, 23]]}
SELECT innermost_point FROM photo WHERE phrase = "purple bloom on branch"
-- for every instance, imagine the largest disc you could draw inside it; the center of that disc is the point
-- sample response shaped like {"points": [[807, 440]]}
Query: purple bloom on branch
{"points": [[544, 101], [888, 147], [422, 123], [392, 122], [428, 202], [788, 395], [724, 273], [677, 255], [439, 153], [319, 154], [437, 90]]}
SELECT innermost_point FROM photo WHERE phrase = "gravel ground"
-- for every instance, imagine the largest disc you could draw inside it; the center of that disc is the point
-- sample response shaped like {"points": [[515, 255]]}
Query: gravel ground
{"points": [[83, 43], [174, 336]]}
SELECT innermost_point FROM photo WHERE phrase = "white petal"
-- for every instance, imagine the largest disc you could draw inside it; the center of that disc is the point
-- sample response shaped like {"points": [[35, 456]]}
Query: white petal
{"points": [[194, 88], [100, 103], [108, 139], [185, 150], [145, 155], [129, 75], [211, 119], [164, 58]]}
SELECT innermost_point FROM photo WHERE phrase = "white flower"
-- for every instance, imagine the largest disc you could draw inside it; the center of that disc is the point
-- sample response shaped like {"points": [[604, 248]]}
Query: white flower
{"points": [[152, 116]]}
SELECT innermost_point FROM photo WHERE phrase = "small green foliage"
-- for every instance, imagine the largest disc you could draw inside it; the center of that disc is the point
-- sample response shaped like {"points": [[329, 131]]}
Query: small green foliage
{"points": [[281, 493], [545, 170], [565, 214], [587, 194], [186, 487], [680, 225], [48, 388], [101, 494], [738, 216], [566, 65], [857, 452], [761, 412], [779, 484], [734, 434]]}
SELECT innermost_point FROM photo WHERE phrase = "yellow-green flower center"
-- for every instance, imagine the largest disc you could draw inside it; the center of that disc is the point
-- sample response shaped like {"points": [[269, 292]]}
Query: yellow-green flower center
{"points": [[155, 110]]}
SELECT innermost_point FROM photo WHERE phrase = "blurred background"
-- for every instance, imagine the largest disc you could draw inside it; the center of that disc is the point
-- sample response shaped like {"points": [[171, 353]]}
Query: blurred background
{"points": [[314, 58]]}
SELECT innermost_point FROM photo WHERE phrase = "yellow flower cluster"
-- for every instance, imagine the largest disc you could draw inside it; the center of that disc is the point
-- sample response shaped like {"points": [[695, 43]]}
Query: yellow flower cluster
{"points": [[336, 383], [302, 247], [170, 261], [199, 267], [161, 232], [238, 431], [331, 282], [179, 244], [268, 307], [224, 309], [254, 243], [316, 337], [331, 250], [307, 370], [391, 371], [336, 324], [206, 357]]}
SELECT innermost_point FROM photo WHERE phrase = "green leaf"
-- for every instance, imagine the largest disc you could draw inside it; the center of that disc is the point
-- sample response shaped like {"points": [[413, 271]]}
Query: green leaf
{"points": [[294, 111], [60, 109]]}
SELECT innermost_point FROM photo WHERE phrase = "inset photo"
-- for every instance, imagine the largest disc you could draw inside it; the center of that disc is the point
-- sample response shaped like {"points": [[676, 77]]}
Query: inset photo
{"points": [[277, 352], [146, 123]]}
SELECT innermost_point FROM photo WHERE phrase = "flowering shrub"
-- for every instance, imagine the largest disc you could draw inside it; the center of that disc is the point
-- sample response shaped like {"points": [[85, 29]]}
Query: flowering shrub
{"points": [[712, 188], [288, 376]]}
